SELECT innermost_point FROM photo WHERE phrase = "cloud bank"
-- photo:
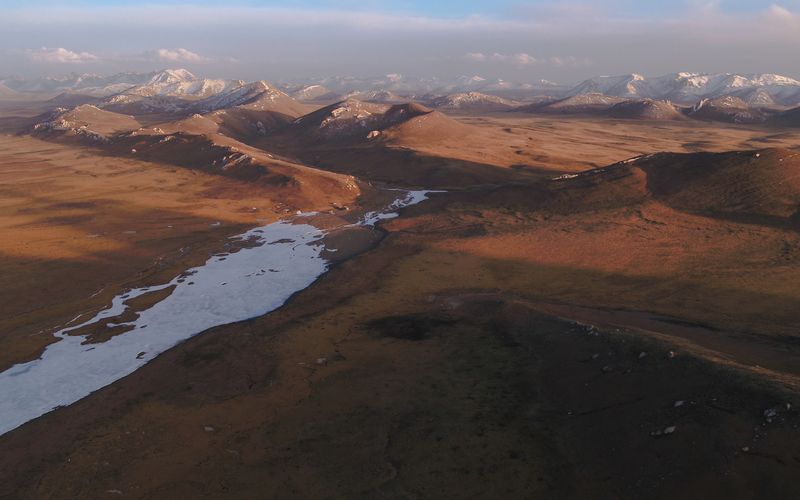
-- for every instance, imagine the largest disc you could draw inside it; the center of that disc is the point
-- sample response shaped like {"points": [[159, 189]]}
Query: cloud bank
{"points": [[564, 40], [178, 55], [60, 55]]}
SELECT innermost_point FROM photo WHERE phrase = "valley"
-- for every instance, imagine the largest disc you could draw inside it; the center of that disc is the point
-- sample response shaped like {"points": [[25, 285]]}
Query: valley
{"points": [[581, 292]]}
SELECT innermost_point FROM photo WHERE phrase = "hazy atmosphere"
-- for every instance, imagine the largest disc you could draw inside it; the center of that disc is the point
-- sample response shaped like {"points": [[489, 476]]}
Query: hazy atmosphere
{"points": [[514, 39], [413, 249]]}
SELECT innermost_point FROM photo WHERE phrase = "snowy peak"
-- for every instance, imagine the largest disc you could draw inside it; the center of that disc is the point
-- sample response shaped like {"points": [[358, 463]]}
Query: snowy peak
{"points": [[631, 85], [472, 101], [172, 76], [310, 92], [688, 88], [101, 86], [257, 96], [380, 95]]}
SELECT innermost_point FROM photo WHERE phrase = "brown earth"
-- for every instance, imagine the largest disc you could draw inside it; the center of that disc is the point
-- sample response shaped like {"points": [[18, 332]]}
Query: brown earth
{"points": [[627, 333], [76, 226]]}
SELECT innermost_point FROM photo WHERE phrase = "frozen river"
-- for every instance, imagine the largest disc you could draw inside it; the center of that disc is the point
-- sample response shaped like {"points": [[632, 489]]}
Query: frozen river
{"points": [[280, 259]]}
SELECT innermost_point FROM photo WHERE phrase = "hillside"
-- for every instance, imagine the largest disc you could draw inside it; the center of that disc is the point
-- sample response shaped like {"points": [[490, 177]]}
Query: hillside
{"points": [[472, 101], [760, 187], [688, 88], [726, 109], [789, 118], [86, 120], [258, 95], [7, 93], [645, 109], [577, 104], [312, 93]]}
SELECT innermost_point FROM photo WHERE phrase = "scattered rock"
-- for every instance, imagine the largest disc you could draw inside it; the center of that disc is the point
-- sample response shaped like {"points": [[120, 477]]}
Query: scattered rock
{"points": [[666, 431], [671, 354], [678, 404], [322, 361], [208, 428], [642, 355]]}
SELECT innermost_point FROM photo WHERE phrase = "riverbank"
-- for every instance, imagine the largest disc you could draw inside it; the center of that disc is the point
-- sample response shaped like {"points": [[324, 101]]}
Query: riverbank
{"points": [[389, 378]]}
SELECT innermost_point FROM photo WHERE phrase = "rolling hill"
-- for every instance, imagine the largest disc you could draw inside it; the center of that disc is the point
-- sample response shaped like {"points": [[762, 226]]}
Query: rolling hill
{"points": [[762, 187], [726, 109]]}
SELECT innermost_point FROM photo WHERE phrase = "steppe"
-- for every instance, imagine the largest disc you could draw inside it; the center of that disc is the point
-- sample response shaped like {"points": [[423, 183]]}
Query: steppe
{"points": [[590, 308]]}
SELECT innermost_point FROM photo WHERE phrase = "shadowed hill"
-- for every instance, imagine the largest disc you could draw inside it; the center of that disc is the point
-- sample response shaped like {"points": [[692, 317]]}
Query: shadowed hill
{"points": [[755, 186], [86, 120], [790, 118], [727, 109], [645, 109], [578, 104], [353, 120]]}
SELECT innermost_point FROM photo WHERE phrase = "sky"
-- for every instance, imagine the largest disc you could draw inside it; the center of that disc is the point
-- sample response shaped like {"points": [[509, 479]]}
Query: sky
{"points": [[519, 40]]}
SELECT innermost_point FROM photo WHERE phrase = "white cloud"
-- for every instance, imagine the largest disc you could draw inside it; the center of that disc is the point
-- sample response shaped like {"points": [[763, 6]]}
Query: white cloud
{"points": [[60, 55], [561, 61], [176, 55], [520, 59], [523, 59], [779, 13]]}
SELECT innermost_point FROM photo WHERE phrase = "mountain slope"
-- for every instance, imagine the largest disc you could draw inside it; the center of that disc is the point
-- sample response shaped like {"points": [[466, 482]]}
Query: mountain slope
{"points": [[755, 186], [378, 96], [789, 118], [726, 109], [352, 120], [258, 95], [7, 93], [645, 109], [577, 104], [472, 101], [102, 86], [688, 88], [310, 93], [85, 120]]}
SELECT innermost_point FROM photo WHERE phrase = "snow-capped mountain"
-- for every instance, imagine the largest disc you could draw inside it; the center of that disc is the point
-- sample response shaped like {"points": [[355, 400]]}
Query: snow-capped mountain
{"points": [[727, 109], [87, 83], [181, 83], [408, 86], [258, 95], [576, 104], [472, 101], [382, 96], [309, 92], [688, 88], [168, 82]]}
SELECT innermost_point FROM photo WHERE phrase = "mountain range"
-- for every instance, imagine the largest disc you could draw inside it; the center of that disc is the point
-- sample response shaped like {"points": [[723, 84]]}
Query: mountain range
{"points": [[760, 90], [688, 88]]}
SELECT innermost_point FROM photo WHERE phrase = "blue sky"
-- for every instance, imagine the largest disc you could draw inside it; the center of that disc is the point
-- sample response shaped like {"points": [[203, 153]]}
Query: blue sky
{"points": [[563, 40], [445, 8]]}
